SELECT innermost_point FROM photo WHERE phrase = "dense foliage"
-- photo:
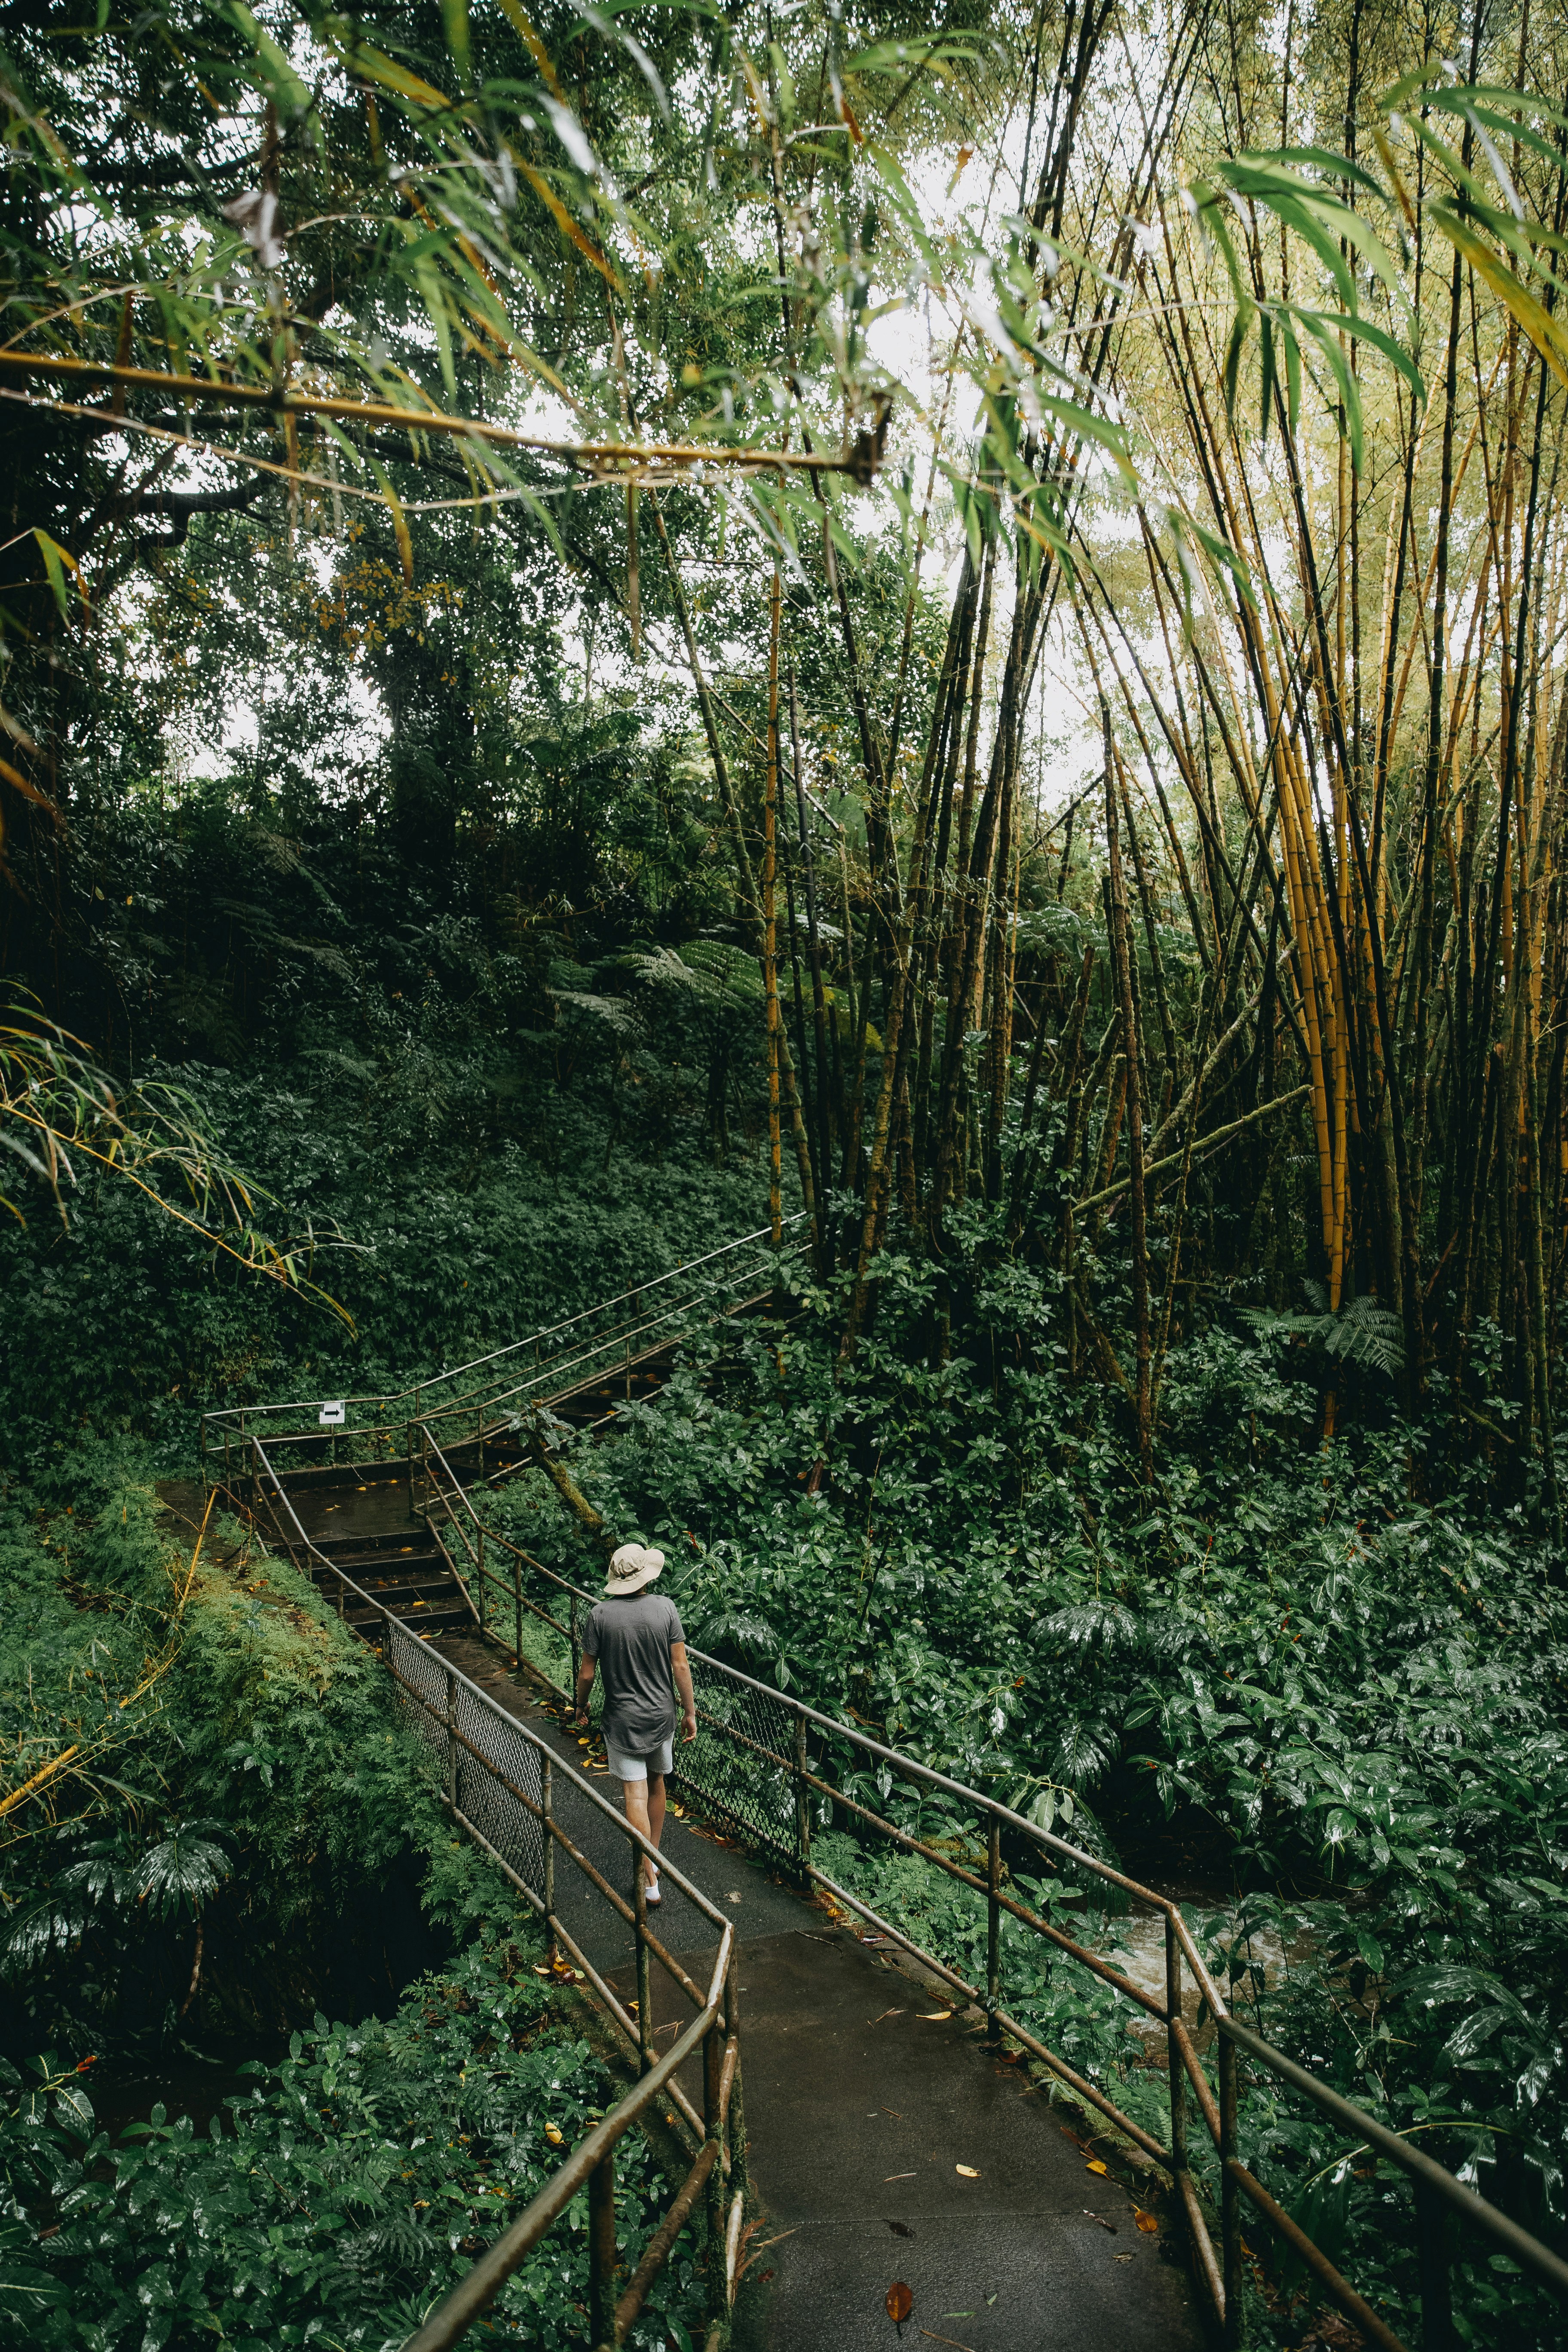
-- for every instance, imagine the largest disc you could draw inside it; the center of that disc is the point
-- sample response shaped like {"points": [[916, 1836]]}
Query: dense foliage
{"points": [[1088, 829], [229, 1833], [347, 2188]]}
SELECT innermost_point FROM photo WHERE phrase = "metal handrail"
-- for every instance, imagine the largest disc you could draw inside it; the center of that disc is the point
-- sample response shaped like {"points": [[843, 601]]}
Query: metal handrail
{"points": [[719, 2127], [473, 2294], [1222, 2272], [223, 1417], [687, 1266]]}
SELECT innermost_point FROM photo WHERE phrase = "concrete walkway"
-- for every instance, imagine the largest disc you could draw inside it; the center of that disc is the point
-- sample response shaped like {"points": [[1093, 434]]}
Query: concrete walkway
{"points": [[864, 2095]]}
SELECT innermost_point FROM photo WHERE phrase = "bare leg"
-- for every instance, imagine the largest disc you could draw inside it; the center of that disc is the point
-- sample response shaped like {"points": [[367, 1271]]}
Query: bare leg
{"points": [[655, 1806], [644, 1810]]}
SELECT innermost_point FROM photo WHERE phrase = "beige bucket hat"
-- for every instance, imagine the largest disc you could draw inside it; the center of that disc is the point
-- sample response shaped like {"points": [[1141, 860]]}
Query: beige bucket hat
{"points": [[632, 1567]]}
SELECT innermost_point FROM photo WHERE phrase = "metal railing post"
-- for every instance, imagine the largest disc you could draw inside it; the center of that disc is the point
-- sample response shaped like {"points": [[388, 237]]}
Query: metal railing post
{"points": [[740, 2170], [482, 1575], [993, 1927], [602, 2250], [802, 1800], [571, 1622], [713, 2072], [517, 1606], [547, 1818], [452, 1741], [1173, 2048], [645, 1974], [1436, 2305], [629, 1370], [1230, 2201]]}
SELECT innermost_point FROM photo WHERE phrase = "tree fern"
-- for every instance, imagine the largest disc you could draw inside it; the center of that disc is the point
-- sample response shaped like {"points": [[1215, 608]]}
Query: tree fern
{"points": [[1363, 1332]]}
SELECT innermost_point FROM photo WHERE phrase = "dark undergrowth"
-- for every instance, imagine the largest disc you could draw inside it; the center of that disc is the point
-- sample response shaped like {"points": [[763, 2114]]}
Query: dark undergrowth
{"points": [[232, 1845]]}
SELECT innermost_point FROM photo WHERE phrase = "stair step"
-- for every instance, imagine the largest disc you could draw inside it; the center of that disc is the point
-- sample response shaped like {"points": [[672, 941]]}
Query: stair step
{"points": [[368, 1553], [419, 1621], [426, 1579]]}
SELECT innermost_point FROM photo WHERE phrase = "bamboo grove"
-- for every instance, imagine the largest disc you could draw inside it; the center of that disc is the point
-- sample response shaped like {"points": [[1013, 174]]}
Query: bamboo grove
{"points": [[1231, 481], [1309, 1024]]}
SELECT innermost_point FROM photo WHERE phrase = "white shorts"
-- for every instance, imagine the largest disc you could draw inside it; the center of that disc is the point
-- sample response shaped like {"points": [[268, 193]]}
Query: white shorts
{"points": [[657, 1760]]}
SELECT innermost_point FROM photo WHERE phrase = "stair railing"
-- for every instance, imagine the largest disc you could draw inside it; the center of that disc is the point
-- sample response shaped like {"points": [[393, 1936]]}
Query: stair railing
{"points": [[500, 1781], [380, 1427], [480, 1546]]}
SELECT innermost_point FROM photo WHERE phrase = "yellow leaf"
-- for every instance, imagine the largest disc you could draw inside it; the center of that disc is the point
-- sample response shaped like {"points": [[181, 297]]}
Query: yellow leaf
{"points": [[541, 55], [1147, 2223], [568, 225], [382, 68], [967, 2170], [900, 2303], [553, 2134], [18, 783], [1094, 2165], [941, 2014]]}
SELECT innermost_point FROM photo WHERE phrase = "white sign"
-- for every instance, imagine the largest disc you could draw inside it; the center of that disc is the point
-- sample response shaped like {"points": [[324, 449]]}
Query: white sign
{"points": [[332, 1416]]}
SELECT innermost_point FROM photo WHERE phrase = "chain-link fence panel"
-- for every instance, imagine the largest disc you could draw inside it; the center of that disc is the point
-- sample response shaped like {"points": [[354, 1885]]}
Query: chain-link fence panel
{"points": [[495, 1786], [423, 1683], [491, 1768], [741, 1766]]}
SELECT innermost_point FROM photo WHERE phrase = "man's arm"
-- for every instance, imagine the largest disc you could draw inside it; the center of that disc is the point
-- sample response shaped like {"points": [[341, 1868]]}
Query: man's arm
{"points": [[585, 1670], [682, 1673]]}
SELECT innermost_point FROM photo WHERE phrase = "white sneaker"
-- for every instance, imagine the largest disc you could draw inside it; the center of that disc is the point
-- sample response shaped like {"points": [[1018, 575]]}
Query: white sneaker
{"points": [[652, 1898]]}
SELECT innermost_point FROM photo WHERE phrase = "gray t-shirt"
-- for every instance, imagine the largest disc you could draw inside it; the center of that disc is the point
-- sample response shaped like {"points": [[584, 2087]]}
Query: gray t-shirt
{"points": [[630, 1637]]}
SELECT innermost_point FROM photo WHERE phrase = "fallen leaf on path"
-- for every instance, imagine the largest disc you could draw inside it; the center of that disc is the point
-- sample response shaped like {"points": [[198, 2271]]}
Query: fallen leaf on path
{"points": [[1147, 2222], [897, 2176], [967, 2170], [1094, 2165], [900, 2228], [886, 2013], [901, 2303], [940, 2015], [1121, 2258]]}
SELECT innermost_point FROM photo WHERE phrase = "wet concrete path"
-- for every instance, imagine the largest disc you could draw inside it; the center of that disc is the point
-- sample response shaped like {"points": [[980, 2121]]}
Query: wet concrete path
{"points": [[887, 2142]]}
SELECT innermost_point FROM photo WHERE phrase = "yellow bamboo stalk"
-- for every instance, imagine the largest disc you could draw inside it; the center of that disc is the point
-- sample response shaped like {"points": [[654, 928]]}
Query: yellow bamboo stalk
{"points": [[45, 1772]]}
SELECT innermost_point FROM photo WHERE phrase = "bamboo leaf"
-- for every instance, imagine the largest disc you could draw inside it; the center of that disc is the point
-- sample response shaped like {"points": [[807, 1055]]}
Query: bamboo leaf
{"points": [[1537, 323], [455, 18], [1233, 352], [568, 225], [1266, 340], [399, 520], [58, 562], [293, 100]]}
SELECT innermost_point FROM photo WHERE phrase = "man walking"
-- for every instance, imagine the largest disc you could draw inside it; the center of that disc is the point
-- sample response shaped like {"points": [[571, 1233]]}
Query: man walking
{"points": [[637, 1642]]}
